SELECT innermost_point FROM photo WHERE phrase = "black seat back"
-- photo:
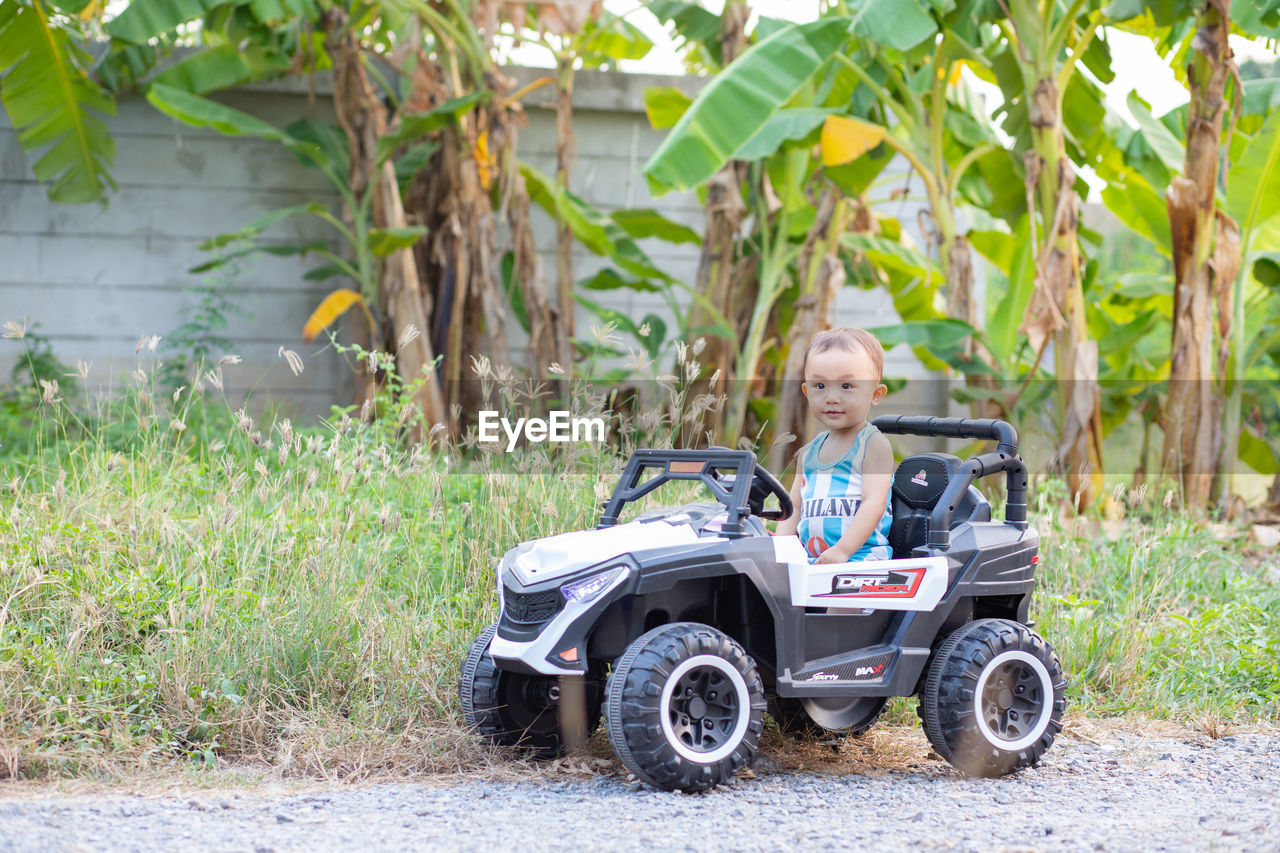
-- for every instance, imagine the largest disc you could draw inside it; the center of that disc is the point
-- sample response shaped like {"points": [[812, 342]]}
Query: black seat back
{"points": [[917, 485]]}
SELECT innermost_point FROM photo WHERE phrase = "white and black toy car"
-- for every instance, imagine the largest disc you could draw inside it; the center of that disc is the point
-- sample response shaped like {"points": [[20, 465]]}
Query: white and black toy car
{"points": [[685, 625]]}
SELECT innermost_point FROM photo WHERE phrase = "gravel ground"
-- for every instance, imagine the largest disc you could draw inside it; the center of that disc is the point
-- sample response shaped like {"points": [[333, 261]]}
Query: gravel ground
{"points": [[1111, 790]]}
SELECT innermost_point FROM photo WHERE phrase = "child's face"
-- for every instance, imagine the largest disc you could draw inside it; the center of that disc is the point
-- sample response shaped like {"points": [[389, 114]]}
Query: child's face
{"points": [[841, 388]]}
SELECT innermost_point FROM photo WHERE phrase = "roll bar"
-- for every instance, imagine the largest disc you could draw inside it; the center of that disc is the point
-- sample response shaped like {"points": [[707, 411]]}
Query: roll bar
{"points": [[1004, 458], [687, 465]]}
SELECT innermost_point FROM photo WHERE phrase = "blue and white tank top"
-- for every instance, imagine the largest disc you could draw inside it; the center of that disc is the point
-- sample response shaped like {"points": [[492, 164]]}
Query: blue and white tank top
{"points": [[829, 496]]}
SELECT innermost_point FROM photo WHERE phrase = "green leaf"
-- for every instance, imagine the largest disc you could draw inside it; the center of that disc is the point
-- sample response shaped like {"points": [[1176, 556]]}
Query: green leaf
{"points": [[385, 241], [931, 334], [416, 125], [1123, 336], [1253, 184], [996, 246], [324, 273], [900, 24], [664, 105], [609, 315], [263, 222], [414, 159], [610, 279], [1141, 208], [1266, 269], [143, 20], [657, 334], [279, 250], [1257, 17], [692, 23], [892, 254], [1143, 285], [51, 101], [202, 112], [1097, 58], [328, 138], [854, 178], [613, 38], [1003, 323], [1261, 97], [739, 101], [511, 286], [210, 69], [591, 226], [275, 12], [1257, 454], [784, 126], [647, 222], [1162, 141]]}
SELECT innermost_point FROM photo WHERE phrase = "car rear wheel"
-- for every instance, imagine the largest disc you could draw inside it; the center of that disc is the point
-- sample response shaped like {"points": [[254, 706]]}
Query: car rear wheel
{"points": [[994, 697], [543, 713], [814, 718], [684, 707]]}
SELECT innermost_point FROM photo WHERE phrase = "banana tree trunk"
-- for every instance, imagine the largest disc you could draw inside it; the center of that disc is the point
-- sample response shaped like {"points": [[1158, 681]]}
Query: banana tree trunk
{"points": [[1191, 419], [564, 234], [452, 199], [545, 327], [1056, 309], [721, 278], [363, 117], [821, 277]]}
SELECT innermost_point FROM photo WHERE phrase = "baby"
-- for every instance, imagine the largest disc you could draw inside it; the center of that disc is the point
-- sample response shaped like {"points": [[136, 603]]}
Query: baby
{"points": [[841, 488]]}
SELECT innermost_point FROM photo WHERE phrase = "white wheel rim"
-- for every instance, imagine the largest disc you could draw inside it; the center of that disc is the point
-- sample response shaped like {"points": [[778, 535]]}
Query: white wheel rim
{"points": [[744, 709], [1046, 709]]}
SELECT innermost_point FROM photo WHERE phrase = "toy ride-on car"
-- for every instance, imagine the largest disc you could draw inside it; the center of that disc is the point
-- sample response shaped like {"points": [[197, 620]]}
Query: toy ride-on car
{"points": [[702, 621]]}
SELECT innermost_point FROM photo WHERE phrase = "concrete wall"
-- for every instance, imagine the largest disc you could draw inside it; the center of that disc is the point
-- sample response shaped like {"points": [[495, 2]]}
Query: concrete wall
{"points": [[95, 279]]}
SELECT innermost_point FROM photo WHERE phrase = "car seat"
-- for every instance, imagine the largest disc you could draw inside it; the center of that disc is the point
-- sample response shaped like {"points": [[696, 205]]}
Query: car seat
{"points": [[917, 485]]}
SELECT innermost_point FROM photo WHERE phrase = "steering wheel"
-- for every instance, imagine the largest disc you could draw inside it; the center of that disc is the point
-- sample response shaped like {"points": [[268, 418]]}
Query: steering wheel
{"points": [[764, 484]]}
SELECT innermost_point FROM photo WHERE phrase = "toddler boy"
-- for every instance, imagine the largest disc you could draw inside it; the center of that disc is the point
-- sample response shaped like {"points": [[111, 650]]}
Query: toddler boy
{"points": [[841, 488]]}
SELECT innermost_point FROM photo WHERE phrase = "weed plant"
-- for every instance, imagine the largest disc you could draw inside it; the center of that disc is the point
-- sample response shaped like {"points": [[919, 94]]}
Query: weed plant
{"points": [[179, 582]]}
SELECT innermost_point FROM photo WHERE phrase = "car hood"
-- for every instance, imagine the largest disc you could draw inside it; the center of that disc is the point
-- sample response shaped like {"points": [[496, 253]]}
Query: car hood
{"points": [[553, 557]]}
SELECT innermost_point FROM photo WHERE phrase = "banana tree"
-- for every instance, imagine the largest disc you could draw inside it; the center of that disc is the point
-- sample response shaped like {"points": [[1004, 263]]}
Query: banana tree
{"points": [[56, 94], [577, 34], [940, 129], [709, 44], [1253, 201], [52, 99], [378, 248], [1201, 231], [764, 109], [1044, 44]]}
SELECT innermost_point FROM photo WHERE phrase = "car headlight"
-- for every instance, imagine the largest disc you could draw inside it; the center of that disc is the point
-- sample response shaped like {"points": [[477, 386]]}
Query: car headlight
{"points": [[585, 589]]}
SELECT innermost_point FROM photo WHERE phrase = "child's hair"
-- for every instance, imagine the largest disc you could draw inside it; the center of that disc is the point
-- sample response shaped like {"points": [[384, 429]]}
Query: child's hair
{"points": [[847, 340]]}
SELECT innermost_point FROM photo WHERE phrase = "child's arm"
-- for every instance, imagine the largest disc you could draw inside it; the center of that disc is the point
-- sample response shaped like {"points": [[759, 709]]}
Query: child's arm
{"points": [[789, 525], [877, 477]]}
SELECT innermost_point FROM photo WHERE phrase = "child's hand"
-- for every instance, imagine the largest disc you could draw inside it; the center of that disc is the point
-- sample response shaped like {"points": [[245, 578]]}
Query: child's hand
{"points": [[834, 554]]}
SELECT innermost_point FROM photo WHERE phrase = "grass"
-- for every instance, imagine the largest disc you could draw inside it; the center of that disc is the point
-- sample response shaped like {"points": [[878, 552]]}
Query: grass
{"points": [[178, 584]]}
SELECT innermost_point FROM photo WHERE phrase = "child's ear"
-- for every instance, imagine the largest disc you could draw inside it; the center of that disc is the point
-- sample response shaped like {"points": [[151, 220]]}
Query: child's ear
{"points": [[878, 394], [804, 389]]}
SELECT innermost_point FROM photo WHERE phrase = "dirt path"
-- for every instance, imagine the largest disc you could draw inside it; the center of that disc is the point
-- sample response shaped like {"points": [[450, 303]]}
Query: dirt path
{"points": [[1101, 789]]}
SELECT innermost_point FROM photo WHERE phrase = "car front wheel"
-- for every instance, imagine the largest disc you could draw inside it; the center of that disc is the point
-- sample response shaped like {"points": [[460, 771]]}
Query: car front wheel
{"points": [[684, 707]]}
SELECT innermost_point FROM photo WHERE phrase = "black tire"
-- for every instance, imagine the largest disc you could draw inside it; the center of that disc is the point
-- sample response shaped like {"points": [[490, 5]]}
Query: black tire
{"points": [[993, 700], [792, 719], [795, 722], [702, 736], [512, 709]]}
